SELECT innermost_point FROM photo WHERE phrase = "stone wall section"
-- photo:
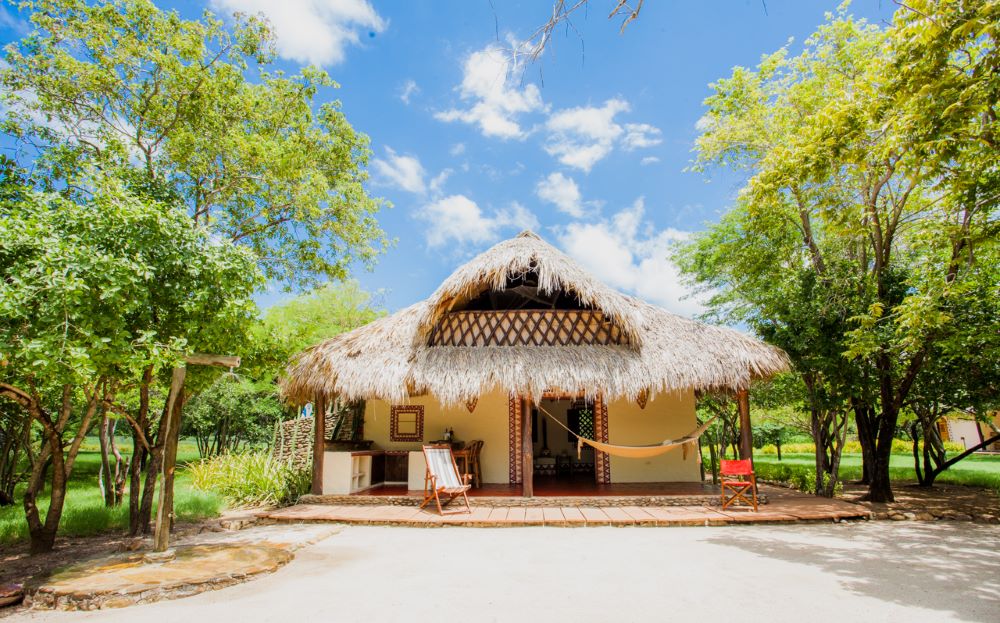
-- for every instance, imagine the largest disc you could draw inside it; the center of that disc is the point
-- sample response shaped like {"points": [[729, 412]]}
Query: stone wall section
{"points": [[294, 440]]}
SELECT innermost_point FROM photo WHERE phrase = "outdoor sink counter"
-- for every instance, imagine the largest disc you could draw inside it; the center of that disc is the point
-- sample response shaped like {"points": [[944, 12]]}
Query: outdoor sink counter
{"points": [[346, 472]]}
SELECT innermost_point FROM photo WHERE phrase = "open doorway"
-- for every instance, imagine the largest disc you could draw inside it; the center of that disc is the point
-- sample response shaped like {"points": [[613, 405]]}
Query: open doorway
{"points": [[557, 468]]}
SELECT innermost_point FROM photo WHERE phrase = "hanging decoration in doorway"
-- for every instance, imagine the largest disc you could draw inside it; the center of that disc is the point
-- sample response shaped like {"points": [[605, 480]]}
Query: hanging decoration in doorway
{"points": [[471, 403], [642, 398]]}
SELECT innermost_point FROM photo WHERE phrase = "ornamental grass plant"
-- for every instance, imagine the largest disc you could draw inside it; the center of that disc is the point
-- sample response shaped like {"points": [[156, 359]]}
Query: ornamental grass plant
{"points": [[251, 479]]}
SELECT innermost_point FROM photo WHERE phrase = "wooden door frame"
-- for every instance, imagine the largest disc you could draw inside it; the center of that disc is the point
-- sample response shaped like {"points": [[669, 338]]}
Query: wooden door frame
{"points": [[602, 462]]}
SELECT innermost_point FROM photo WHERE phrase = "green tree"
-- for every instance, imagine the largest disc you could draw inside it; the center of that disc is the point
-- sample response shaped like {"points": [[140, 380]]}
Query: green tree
{"points": [[232, 414], [187, 111], [962, 371], [307, 319], [854, 234], [97, 294]]}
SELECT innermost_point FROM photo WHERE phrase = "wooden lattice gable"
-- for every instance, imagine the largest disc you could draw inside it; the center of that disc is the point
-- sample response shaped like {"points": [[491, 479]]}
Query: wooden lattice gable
{"points": [[526, 327], [527, 274]]}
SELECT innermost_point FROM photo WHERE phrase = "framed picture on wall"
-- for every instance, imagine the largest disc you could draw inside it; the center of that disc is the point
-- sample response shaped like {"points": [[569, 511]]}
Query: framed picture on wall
{"points": [[406, 423]]}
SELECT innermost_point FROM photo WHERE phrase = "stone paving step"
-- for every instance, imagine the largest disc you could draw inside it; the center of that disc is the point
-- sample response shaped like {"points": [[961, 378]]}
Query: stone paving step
{"points": [[566, 516]]}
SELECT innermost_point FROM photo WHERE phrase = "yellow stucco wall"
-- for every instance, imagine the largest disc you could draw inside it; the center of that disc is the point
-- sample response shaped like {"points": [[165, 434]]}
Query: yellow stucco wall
{"points": [[667, 416], [488, 422]]}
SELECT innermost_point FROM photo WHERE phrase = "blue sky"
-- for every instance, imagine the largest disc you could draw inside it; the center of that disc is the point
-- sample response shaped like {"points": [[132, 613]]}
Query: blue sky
{"points": [[587, 145]]}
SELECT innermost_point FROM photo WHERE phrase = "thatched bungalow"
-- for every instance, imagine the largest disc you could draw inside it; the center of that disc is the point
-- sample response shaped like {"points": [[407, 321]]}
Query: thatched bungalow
{"points": [[514, 346]]}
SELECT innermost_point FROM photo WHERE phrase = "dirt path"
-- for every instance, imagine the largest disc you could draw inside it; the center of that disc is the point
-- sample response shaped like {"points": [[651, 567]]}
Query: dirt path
{"points": [[874, 571]]}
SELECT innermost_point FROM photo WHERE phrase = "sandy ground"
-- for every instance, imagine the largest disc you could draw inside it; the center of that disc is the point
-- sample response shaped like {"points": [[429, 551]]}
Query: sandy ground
{"points": [[873, 571]]}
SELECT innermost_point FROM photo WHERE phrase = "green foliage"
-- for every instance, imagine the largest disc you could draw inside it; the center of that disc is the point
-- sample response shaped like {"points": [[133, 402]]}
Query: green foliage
{"points": [[251, 479], [864, 240], [306, 320], [109, 285], [232, 414], [189, 111], [901, 447], [975, 471], [798, 477], [100, 287], [770, 433]]}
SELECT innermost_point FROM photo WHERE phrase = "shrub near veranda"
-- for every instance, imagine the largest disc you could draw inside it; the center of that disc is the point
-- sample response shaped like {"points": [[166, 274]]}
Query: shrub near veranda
{"points": [[251, 478], [899, 446]]}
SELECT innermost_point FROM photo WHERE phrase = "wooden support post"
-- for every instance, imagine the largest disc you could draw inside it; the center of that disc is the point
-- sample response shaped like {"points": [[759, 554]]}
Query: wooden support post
{"points": [[319, 443], [171, 432], [219, 361], [746, 433], [527, 452]]}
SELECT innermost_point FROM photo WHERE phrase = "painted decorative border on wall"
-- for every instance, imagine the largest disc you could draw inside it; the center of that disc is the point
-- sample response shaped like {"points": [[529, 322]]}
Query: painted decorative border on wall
{"points": [[601, 459], [417, 410], [514, 439]]}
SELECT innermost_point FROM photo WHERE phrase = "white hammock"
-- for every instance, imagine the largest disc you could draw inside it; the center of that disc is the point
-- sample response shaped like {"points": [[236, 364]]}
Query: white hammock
{"points": [[636, 452]]}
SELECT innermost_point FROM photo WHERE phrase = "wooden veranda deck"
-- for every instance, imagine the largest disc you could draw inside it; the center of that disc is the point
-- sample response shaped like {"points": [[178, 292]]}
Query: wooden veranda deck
{"points": [[490, 512]]}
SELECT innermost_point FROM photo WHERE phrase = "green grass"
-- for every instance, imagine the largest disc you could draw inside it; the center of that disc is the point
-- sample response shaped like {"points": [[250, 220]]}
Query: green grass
{"points": [[84, 513], [975, 470]]}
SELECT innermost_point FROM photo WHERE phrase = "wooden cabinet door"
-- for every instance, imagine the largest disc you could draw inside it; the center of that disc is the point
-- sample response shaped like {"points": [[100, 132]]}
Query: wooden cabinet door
{"points": [[397, 467]]}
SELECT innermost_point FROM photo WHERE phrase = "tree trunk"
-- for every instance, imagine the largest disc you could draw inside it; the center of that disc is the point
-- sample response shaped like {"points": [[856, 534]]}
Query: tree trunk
{"points": [[980, 446], [713, 455], [140, 456], [145, 512], [880, 488], [819, 441], [864, 418], [838, 438], [106, 478], [915, 435], [43, 535]]}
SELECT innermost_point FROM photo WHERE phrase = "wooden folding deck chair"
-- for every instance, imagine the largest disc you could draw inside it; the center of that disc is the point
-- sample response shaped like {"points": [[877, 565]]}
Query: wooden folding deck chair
{"points": [[738, 477], [443, 479]]}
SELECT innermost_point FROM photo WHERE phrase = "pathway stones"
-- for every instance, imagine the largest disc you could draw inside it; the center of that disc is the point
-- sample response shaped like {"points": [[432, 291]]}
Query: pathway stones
{"points": [[204, 562]]}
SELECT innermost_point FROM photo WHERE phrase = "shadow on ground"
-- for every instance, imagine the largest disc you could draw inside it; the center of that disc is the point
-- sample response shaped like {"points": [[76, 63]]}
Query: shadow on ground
{"points": [[943, 566]]}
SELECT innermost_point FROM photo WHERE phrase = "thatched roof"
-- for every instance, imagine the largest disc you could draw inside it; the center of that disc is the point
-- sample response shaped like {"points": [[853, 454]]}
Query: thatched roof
{"points": [[390, 358]]}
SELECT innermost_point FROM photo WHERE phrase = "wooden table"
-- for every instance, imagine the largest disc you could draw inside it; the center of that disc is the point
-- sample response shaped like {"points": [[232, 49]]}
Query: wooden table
{"points": [[464, 460]]}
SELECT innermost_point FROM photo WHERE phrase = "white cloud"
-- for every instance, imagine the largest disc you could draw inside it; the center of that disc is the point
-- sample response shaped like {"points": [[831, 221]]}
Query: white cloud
{"points": [[628, 253], [312, 31], [640, 135], [496, 100], [457, 149], [562, 192], [408, 90], [581, 137], [438, 182], [649, 160], [458, 219], [406, 172]]}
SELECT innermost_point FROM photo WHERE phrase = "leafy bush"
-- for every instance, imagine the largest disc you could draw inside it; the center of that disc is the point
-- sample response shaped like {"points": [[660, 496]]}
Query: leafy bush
{"points": [[899, 446], [799, 477], [251, 479]]}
